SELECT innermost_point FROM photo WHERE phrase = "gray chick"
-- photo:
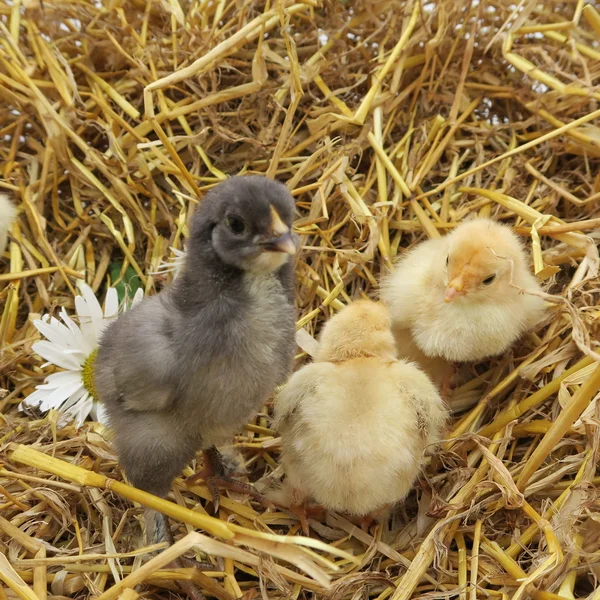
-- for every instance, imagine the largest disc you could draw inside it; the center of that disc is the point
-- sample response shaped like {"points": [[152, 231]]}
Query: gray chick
{"points": [[185, 369]]}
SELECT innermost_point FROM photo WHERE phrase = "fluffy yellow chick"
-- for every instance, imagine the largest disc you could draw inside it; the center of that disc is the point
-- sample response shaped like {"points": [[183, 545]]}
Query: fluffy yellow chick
{"points": [[439, 370], [355, 423], [460, 296]]}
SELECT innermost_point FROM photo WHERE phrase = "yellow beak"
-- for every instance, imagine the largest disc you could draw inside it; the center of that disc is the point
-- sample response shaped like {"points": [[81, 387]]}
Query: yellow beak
{"points": [[281, 237], [283, 243], [455, 288]]}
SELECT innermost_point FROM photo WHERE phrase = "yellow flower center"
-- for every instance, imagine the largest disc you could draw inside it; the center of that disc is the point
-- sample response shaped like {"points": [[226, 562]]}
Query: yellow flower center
{"points": [[87, 374]]}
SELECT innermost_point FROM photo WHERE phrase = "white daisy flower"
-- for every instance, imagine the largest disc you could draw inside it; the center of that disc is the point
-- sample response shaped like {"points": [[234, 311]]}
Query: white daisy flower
{"points": [[73, 347], [173, 264]]}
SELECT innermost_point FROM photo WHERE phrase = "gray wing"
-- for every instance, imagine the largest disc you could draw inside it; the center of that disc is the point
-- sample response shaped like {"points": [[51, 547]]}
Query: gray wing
{"points": [[136, 365]]}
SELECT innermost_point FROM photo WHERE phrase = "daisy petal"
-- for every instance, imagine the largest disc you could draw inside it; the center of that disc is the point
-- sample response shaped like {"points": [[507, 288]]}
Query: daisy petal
{"points": [[78, 354], [138, 296], [98, 413], [61, 394], [86, 345], [78, 411], [53, 354], [111, 304], [84, 408], [74, 399], [179, 260], [54, 331], [94, 308], [62, 378], [85, 319], [34, 399]]}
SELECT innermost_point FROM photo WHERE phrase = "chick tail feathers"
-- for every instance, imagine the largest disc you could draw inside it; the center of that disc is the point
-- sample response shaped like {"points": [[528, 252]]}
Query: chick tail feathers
{"points": [[8, 212]]}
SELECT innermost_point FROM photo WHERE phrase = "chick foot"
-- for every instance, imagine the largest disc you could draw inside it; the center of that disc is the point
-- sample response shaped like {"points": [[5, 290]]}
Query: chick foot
{"points": [[304, 510], [215, 476], [157, 532], [300, 511], [366, 521]]}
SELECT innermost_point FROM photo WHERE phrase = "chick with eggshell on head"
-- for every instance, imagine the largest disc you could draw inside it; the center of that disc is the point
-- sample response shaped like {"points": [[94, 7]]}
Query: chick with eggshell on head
{"points": [[463, 297]]}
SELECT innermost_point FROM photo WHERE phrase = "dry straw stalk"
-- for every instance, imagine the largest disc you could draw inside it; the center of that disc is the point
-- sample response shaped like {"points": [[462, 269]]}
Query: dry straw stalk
{"points": [[391, 122]]}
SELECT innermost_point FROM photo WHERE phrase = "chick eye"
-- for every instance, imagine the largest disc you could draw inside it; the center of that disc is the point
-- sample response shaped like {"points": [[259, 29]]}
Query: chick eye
{"points": [[447, 260], [236, 224], [489, 280]]}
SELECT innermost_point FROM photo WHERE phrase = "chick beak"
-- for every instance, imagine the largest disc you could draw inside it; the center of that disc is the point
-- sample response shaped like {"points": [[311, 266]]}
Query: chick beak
{"points": [[455, 288], [281, 238], [283, 243]]}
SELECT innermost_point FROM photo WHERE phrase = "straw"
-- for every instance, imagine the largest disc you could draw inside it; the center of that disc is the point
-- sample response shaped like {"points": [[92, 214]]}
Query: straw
{"points": [[390, 123]]}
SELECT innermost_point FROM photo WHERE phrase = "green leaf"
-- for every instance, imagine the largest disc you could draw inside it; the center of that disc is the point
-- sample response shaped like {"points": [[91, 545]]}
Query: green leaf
{"points": [[128, 285]]}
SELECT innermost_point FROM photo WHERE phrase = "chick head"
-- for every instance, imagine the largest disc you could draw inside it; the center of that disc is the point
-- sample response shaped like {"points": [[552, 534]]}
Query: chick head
{"points": [[247, 221], [361, 329], [476, 264]]}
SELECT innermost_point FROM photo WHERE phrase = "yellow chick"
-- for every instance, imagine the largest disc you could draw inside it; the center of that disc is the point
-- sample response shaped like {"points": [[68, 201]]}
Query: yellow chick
{"points": [[461, 297], [440, 371], [355, 423]]}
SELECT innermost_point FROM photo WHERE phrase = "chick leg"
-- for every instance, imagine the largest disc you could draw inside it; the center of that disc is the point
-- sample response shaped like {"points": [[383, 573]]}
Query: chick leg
{"points": [[157, 531], [151, 462], [445, 389], [367, 521], [215, 476], [448, 382], [300, 511], [303, 510]]}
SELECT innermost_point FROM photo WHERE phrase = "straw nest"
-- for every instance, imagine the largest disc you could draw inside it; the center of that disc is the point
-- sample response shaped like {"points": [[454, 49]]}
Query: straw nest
{"points": [[391, 122]]}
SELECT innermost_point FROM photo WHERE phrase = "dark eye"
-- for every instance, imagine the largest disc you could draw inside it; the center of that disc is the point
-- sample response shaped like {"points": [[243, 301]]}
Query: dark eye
{"points": [[236, 224], [489, 280], [447, 260]]}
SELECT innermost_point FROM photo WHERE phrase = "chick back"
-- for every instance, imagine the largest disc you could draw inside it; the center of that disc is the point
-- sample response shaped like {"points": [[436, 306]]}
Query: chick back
{"points": [[355, 438]]}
